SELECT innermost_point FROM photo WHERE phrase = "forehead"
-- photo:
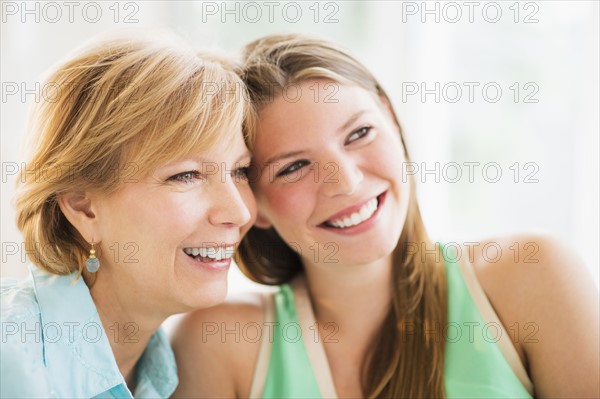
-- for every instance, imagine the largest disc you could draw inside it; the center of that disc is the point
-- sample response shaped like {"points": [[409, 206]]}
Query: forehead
{"points": [[229, 149], [304, 112]]}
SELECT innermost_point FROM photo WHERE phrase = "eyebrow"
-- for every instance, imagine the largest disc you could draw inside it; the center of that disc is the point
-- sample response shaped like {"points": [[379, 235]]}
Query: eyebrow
{"points": [[352, 119], [279, 157], [245, 155], [290, 154]]}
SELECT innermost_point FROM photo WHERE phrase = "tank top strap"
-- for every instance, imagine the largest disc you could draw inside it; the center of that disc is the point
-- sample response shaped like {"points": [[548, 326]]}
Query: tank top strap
{"points": [[262, 363], [490, 316], [313, 342], [285, 365]]}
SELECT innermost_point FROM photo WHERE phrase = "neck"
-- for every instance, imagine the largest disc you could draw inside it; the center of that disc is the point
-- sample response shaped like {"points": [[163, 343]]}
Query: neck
{"points": [[355, 297], [128, 325]]}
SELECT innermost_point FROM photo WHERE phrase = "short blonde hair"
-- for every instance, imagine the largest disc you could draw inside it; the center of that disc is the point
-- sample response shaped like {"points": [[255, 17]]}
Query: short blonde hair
{"points": [[117, 109]]}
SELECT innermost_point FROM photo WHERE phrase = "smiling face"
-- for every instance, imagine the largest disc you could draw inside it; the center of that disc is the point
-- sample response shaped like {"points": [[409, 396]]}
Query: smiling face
{"points": [[151, 229], [331, 182]]}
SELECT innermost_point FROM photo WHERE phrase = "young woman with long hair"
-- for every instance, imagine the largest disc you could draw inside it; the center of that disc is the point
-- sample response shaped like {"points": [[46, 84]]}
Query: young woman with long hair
{"points": [[367, 305]]}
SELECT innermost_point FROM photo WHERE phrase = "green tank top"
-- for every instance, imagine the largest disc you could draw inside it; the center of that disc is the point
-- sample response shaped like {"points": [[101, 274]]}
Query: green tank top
{"points": [[477, 349]]}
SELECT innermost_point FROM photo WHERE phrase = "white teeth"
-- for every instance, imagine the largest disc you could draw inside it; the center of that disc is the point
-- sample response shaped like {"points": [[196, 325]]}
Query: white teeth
{"points": [[357, 217], [216, 253], [364, 213], [212, 252]]}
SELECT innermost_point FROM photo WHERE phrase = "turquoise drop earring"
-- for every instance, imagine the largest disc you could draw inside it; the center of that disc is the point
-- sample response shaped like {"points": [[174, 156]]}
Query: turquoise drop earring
{"points": [[92, 264]]}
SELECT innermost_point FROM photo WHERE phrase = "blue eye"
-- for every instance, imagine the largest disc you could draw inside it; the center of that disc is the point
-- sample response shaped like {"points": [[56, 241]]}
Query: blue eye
{"points": [[360, 133], [186, 177], [297, 165], [241, 173]]}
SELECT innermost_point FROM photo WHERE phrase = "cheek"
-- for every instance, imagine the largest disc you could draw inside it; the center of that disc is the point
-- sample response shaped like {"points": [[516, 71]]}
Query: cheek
{"points": [[158, 216], [153, 219], [387, 156], [287, 203]]}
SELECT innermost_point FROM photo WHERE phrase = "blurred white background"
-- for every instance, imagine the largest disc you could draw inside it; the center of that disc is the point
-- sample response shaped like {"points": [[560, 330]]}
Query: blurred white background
{"points": [[518, 93]]}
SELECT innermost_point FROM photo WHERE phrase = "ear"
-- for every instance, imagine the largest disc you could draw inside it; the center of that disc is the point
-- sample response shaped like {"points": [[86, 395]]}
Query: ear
{"points": [[262, 222], [77, 208]]}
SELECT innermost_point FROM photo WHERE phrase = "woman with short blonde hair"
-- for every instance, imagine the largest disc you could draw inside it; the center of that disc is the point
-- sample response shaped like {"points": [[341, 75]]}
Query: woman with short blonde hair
{"points": [[136, 182]]}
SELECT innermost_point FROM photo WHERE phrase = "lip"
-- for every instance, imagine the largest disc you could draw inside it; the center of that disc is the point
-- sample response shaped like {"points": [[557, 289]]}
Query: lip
{"points": [[214, 266], [350, 210], [213, 245], [362, 227]]}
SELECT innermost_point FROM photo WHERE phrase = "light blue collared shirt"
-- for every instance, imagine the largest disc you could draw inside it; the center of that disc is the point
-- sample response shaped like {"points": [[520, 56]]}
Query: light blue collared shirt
{"points": [[54, 346]]}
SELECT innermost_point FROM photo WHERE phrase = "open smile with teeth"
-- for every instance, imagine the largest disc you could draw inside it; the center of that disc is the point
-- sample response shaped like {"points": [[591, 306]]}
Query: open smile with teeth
{"points": [[210, 254], [356, 218]]}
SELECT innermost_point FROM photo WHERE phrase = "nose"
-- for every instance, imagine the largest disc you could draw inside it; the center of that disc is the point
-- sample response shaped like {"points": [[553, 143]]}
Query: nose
{"points": [[228, 205], [341, 176]]}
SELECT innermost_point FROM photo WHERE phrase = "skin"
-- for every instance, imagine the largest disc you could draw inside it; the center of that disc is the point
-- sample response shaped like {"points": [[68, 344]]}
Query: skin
{"points": [[151, 221], [556, 293]]}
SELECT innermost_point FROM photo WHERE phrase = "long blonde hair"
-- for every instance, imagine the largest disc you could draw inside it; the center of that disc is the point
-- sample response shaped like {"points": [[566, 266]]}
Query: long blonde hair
{"points": [[405, 361], [118, 108]]}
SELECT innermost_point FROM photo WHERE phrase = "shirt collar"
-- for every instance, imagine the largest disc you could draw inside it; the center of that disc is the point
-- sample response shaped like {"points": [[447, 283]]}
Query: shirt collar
{"points": [[157, 370], [75, 340]]}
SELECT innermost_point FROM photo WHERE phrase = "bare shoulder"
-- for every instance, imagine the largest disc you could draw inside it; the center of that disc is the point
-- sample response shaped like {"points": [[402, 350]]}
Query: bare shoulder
{"points": [[546, 297], [216, 348]]}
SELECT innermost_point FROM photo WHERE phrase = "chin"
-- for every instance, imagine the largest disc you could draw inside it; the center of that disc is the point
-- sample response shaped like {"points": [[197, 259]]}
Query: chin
{"points": [[206, 295], [368, 257]]}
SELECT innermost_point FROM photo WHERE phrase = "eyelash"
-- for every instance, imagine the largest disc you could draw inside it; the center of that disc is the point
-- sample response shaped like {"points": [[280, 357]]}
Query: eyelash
{"points": [[179, 177], [242, 173], [366, 129], [296, 165]]}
